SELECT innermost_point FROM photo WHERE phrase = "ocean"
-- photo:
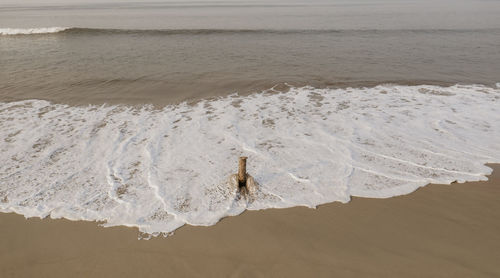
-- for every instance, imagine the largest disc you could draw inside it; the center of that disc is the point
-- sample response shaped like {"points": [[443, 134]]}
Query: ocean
{"points": [[135, 113]]}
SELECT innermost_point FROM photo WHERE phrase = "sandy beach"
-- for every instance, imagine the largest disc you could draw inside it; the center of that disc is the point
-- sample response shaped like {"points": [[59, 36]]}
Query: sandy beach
{"points": [[355, 118], [437, 231]]}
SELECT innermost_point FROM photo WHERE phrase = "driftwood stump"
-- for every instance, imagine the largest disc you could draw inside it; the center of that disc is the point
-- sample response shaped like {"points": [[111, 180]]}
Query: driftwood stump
{"points": [[242, 182]]}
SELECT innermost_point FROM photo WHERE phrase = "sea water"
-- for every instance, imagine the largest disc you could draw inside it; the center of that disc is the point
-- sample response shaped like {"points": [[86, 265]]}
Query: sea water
{"points": [[135, 114]]}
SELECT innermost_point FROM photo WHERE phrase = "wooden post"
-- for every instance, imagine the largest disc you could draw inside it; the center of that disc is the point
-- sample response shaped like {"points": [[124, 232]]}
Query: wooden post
{"points": [[242, 172]]}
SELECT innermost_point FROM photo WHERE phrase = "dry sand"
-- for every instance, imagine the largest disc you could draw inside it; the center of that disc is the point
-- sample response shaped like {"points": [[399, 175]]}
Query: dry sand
{"points": [[437, 231]]}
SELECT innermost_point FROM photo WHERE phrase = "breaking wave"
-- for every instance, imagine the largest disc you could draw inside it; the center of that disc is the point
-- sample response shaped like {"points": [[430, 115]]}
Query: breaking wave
{"points": [[30, 31]]}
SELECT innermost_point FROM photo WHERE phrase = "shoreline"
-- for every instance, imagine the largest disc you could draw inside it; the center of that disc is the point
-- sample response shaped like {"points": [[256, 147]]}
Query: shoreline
{"points": [[159, 98], [436, 231]]}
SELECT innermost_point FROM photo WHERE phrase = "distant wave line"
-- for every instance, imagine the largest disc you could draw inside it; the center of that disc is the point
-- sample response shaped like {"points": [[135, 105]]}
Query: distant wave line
{"points": [[79, 30]]}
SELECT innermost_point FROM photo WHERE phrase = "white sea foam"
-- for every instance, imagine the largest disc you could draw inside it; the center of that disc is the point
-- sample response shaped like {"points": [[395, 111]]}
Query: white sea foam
{"points": [[29, 31], [159, 169]]}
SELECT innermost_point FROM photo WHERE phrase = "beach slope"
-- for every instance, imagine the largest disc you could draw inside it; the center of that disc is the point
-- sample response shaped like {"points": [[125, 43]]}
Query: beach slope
{"points": [[437, 231]]}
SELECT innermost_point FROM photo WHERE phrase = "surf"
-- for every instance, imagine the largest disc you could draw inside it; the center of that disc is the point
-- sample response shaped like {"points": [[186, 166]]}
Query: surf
{"points": [[159, 169], [31, 31]]}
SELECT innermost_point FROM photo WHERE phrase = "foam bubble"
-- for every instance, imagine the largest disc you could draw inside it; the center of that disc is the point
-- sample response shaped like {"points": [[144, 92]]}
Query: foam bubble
{"points": [[160, 169], [29, 31]]}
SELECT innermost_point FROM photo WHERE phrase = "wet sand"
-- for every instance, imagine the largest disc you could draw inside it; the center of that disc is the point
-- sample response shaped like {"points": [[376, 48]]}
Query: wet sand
{"points": [[437, 231]]}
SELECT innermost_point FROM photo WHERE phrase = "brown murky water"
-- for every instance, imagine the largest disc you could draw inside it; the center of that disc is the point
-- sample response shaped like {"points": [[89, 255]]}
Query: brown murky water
{"points": [[169, 52]]}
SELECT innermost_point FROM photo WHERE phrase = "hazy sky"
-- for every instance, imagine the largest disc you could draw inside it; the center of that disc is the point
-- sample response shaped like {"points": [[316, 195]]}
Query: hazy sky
{"points": [[28, 2], [20, 2]]}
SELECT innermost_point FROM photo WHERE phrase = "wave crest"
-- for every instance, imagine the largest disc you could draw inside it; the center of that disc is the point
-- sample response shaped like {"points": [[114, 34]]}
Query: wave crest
{"points": [[30, 31], [110, 31]]}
